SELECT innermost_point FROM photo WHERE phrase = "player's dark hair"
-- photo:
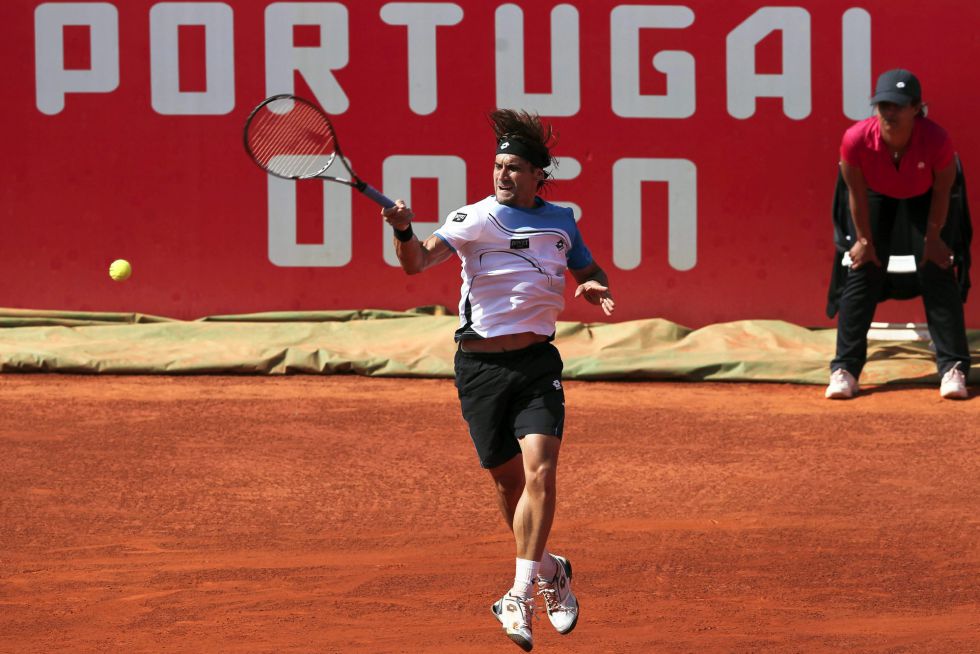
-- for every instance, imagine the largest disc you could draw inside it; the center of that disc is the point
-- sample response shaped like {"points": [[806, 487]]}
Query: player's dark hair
{"points": [[536, 138]]}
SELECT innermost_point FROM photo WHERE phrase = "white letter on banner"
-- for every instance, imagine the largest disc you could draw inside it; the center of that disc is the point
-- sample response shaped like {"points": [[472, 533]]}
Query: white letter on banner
{"points": [[422, 19], [856, 51], [792, 85], [52, 80], [681, 176], [565, 96], [315, 64], [398, 172], [219, 48], [567, 168], [335, 251], [625, 25]]}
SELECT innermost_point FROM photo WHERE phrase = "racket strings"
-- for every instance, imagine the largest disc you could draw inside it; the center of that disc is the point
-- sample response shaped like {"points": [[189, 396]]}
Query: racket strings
{"points": [[291, 141]]}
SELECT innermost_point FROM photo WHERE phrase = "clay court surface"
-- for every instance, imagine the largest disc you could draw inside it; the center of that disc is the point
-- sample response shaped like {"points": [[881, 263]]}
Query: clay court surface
{"points": [[348, 514]]}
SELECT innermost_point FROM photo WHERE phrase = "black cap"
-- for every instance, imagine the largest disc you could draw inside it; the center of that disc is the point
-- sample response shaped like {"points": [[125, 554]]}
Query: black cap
{"points": [[897, 86]]}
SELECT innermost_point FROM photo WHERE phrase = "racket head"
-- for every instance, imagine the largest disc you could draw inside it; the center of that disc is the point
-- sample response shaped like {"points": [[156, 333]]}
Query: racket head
{"points": [[290, 137]]}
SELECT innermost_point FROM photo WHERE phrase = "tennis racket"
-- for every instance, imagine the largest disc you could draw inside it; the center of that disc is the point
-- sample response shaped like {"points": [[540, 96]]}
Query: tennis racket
{"points": [[292, 138]]}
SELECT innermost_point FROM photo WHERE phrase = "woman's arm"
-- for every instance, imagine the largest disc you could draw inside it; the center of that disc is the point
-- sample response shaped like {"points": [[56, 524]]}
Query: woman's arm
{"points": [[863, 250], [935, 250]]}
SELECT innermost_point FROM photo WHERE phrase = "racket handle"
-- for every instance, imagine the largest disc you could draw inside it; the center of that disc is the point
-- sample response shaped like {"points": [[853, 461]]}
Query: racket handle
{"points": [[376, 195]]}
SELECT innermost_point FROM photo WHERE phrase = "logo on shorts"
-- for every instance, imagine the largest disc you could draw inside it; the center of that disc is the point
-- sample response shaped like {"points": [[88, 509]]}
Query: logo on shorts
{"points": [[460, 217], [556, 384], [520, 243]]}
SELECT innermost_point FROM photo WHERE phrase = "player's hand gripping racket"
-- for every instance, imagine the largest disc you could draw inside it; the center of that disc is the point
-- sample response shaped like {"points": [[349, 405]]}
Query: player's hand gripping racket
{"points": [[292, 138]]}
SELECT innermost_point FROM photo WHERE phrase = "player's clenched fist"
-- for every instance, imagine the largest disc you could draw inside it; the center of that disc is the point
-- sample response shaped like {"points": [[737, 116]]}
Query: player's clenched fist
{"points": [[398, 216]]}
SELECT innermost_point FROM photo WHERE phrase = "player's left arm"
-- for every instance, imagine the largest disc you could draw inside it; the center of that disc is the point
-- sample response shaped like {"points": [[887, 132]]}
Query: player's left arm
{"points": [[593, 285]]}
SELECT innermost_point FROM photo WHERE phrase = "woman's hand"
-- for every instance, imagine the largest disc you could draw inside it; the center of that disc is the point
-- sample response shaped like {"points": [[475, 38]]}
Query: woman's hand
{"points": [[936, 251], [863, 252]]}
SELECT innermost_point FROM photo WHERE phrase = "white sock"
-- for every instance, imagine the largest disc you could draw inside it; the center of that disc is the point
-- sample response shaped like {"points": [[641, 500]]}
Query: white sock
{"points": [[525, 575], [549, 567]]}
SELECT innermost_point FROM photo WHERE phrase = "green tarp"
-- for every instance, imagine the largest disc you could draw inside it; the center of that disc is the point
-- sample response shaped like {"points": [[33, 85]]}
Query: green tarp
{"points": [[419, 343]]}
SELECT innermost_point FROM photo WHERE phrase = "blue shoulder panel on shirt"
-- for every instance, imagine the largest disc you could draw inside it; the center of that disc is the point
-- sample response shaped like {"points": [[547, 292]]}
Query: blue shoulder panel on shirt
{"points": [[541, 218]]}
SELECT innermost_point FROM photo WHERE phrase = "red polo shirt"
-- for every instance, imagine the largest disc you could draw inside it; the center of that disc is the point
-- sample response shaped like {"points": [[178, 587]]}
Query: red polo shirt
{"points": [[930, 149]]}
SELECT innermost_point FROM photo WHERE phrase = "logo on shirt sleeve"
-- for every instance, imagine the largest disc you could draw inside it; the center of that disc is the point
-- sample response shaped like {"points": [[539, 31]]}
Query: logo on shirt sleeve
{"points": [[459, 217], [520, 243], [560, 245]]}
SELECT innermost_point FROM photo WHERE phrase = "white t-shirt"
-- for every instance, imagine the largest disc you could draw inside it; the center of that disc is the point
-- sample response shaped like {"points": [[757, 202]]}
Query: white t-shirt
{"points": [[513, 265]]}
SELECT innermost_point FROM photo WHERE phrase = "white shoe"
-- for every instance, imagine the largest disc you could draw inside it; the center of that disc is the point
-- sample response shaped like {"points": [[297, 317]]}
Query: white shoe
{"points": [[515, 614], [953, 386], [559, 600], [842, 385]]}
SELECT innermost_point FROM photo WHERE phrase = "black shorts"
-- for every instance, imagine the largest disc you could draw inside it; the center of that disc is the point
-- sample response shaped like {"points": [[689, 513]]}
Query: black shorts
{"points": [[508, 395]]}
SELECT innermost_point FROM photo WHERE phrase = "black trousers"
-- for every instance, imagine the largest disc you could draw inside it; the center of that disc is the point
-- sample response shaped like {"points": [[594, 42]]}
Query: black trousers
{"points": [[863, 290]]}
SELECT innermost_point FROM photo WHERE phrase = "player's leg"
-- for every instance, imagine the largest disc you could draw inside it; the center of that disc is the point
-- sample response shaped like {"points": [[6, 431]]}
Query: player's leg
{"points": [[535, 509], [508, 480], [537, 408], [531, 522], [484, 381], [509, 485], [540, 418]]}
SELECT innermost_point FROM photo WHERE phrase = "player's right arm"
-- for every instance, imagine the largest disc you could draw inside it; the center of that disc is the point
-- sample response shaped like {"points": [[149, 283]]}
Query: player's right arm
{"points": [[413, 254]]}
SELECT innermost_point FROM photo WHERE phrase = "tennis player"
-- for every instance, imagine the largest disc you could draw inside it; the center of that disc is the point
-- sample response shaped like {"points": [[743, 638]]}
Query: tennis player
{"points": [[515, 249]]}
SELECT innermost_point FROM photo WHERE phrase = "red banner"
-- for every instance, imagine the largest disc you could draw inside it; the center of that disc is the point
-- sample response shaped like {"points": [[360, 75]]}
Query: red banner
{"points": [[698, 144]]}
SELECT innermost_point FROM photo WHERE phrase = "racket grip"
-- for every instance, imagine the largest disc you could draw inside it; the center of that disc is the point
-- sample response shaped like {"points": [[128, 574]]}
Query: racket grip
{"points": [[377, 196]]}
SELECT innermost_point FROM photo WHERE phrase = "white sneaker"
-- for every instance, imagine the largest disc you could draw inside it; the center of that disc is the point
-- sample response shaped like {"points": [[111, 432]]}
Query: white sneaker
{"points": [[953, 386], [842, 385], [559, 600], [515, 614]]}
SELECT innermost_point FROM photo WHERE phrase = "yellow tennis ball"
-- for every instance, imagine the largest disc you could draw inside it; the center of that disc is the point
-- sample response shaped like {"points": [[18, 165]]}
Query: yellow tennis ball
{"points": [[120, 270]]}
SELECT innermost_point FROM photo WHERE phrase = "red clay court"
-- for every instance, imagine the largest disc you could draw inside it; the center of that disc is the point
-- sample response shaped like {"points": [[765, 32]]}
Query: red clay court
{"points": [[348, 514]]}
